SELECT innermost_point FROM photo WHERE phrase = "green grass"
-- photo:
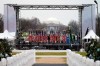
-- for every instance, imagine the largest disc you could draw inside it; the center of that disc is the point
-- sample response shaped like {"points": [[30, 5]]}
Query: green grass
{"points": [[14, 53], [50, 53], [38, 57], [82, 53], [65, 59]]}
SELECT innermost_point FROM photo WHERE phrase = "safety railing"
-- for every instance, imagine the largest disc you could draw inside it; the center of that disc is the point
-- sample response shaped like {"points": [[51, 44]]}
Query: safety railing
{"points": [[25, 58], [28, 58], [74, 59]]}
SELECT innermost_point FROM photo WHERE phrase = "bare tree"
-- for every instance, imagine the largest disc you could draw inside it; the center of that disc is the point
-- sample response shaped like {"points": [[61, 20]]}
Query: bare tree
{"points": [[25, 24], [30, 24], [74, 26], [1, 23]]}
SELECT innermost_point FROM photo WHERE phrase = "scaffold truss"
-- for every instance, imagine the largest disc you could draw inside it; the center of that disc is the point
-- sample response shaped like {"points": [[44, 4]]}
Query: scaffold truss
{"points": [[48, 7]]}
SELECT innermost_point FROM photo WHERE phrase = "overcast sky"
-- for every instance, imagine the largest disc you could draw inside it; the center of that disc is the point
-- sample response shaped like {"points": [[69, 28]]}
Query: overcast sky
{"points": [[64, 16]]}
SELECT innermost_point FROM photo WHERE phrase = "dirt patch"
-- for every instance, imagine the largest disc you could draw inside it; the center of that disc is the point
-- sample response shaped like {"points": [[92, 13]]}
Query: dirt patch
{"points": [[51, 60]]}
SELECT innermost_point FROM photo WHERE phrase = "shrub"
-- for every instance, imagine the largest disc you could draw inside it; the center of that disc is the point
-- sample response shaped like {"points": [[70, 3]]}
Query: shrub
{"points": [[5, 49], [93, 50]]}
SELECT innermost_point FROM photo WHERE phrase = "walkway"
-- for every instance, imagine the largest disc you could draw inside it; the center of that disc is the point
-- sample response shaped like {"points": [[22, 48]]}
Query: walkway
{"points": [[50, 65], [51, 60]]}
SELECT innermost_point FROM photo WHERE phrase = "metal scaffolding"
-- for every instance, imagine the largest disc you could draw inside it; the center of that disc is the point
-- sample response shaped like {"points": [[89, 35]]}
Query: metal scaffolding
{"points": [[48, 7]]}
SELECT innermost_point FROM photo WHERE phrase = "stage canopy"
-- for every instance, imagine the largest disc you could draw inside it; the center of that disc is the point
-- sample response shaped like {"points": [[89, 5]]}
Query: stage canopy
{"points": [[91, 35], [6, 35]]}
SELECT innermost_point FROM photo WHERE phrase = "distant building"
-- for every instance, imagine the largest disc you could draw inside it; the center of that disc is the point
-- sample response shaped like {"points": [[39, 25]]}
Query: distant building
{"points": [[53, 26]]}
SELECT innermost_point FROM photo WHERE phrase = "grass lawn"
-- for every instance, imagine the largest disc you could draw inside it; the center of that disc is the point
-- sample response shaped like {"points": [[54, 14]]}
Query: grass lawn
{"points": [[45, 53], [51, 53], [82, 53], [38, 57], [14, 53], [65, 59]]}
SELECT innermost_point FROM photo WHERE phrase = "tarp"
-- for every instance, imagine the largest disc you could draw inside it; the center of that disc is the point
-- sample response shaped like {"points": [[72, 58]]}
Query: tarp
{"points": [[6, 35], [91, 35]]}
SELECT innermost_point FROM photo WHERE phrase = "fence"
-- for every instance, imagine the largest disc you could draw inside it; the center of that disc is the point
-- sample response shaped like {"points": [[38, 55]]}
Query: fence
{"points": [[74, 59], [25, 58]]}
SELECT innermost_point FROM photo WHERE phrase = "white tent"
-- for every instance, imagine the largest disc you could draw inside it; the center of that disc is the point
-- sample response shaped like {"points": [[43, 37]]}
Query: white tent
{"points": [[6, 35], [91, 35], [12, 34]]}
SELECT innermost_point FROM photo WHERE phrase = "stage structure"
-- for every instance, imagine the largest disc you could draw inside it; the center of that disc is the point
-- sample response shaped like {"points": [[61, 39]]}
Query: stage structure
{"points": [[86, 15]]}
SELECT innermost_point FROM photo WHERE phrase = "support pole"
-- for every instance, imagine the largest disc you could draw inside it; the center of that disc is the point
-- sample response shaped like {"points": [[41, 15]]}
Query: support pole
{"points": [[98, 26], [80, 23], [17, 21]]}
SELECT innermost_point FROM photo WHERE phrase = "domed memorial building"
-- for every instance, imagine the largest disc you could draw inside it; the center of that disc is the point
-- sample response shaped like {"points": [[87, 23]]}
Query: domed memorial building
{"points": [[53, 25]]}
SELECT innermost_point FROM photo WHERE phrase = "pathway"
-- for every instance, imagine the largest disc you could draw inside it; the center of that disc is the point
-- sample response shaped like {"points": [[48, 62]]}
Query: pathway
{"points": [[50, 65], [51, 60]]}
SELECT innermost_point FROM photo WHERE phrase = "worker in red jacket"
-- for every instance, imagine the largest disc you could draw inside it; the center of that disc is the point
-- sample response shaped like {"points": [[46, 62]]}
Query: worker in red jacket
{"points": [[64, 38], [58, 38], [30, 38], [36, 38], [33, 38], [51, 38], [55, 38]]}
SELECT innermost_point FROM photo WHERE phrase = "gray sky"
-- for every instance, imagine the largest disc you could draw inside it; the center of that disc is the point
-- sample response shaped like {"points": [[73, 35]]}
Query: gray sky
{"points": [[64, 16]]}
